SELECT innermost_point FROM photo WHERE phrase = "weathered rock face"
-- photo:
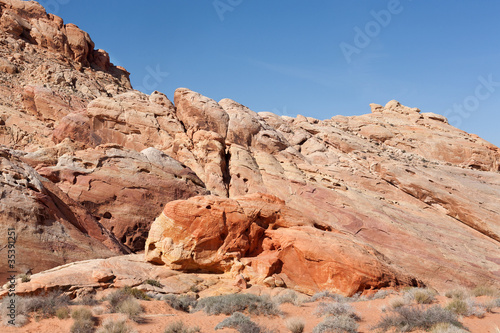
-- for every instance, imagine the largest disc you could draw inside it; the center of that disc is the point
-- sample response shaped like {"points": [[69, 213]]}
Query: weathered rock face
{"points": [[260, 237], [51, 228], [123, 189], [48, 69], [415, 206]]}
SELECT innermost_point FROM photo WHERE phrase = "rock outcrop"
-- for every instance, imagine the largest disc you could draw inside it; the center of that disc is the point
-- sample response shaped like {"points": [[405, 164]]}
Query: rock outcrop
{"points": [[123, 189], [51, 228], [258, 236], [393, 197]]}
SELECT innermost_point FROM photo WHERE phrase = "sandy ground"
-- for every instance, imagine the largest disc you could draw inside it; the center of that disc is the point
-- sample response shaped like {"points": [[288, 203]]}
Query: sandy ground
{"points": [[157, 315]]}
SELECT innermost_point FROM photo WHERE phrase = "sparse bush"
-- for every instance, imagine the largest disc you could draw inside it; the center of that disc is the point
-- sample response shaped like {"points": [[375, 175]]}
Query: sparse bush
{"points": [[459, 293], [239, 322], [229, 304], [466, 307], [408, 318], [131, 308], [288, 296], [180, 327], [116, 298], [98, 310], [83, 321], [24, 278], [397, 303], [19, 315], [154, 283], [136, 293], [82, 314], [327, 294], [44, 306], [340, 324], [446, 328], [111, 326], [336, 309], [420, 295], [458, 306], [182, 302], [62, 313], [485, 291], [380, 294], [88, 300], [295, 325]]}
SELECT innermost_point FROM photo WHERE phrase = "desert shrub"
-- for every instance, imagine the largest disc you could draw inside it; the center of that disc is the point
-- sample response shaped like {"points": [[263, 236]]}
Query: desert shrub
{"points": [[295, 325], [89, 300], [340, 324], [229, 304], [458, 306], [180, 327], [239, 322], [83, 321], [420, 295], [327, 294], [98, 310], [62, 313], [45, 306], [446, 328], [289, 296], [380, 294], [24, 278], [336, 309], [408, 318], [397, 303], [131, 308], [466, 307], [154, 283], [19, 314], [116, 298], [459, 293], [135, 293], [111, 326], [484, 291], [182, 302]]}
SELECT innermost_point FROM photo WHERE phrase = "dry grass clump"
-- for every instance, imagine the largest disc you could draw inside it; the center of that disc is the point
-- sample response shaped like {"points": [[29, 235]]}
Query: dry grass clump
{"points": [[446, 328], [115, 326], [44, 306], [341, 324], [466, 307], [83, 321], [329, 295], [62, 313], [229, 304], [289, 296], [459, 293], [154, 283], [484, 290], [408, 318], [239, 322], [180, 327], [124, 301], [295, 325], [420, 295], [181, 302], [336, 309]]}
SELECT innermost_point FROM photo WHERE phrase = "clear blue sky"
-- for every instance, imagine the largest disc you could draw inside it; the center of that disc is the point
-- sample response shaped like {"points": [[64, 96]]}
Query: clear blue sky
{"points": [[290, 57]]}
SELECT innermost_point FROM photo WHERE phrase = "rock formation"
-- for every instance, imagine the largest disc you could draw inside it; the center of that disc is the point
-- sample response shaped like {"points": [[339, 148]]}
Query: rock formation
{"points": [[393, 197]]}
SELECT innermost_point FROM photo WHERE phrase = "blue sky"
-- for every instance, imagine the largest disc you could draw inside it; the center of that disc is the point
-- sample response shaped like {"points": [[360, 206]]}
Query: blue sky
{"points": [[316, 58]]}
